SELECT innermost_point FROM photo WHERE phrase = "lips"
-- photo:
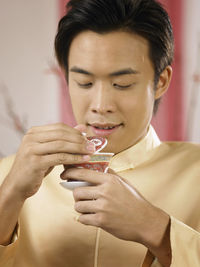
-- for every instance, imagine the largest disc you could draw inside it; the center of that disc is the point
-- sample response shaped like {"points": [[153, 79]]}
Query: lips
{"points": [[104, 129], [104, 126]]}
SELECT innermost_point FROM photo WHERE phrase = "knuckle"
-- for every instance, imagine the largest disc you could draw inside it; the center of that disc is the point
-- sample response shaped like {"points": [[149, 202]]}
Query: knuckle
{"points": [[105, 190], [32, 130], [111, 182], [61, 158], [28, 151], [81, 140], [102, 206], [76, 158], [100, 219]]}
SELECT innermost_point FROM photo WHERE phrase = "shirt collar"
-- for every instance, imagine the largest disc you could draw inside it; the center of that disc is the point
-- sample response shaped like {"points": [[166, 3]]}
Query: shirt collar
{"points": [[133, 156]]}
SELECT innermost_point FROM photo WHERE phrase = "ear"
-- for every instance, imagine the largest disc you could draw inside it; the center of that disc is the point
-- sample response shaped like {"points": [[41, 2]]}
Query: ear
{"points": [[163, 82]]}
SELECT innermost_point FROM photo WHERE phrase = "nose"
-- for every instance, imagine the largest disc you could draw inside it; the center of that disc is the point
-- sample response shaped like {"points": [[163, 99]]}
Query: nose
{"points": [[102, 100]]}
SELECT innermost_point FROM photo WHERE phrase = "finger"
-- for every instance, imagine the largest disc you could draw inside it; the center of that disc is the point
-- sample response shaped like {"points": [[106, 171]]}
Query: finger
{"points": [[62, 147], [53, 135], [62, 158], [52, 127], [89, 219], [126, 183], [87, 206], [81, 127], [123, 180], [85, 193], [130, 187], [87, 175]]}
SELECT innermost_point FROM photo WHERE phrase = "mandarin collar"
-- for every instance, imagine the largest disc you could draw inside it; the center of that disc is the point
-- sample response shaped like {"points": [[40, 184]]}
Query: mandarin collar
{"points": [[135, 155]]}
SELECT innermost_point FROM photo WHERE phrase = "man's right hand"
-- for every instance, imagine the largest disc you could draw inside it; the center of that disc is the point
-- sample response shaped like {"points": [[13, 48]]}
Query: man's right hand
{"points": [[41, 149]]}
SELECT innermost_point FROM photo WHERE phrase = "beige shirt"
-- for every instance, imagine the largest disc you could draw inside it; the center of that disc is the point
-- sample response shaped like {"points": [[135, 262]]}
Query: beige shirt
{"points": [[167, 174]]}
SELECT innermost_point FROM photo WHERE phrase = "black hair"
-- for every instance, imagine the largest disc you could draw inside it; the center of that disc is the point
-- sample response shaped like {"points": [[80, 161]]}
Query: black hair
{"points": [[146, 18]]}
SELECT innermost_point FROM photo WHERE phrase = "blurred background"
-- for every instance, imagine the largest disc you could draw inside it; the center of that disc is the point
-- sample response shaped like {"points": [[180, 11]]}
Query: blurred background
{"points": [[33, 92]]}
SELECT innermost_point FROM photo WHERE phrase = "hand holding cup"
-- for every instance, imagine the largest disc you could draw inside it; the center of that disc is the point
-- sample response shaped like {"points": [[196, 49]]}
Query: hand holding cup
{"points": [[99, 162]]}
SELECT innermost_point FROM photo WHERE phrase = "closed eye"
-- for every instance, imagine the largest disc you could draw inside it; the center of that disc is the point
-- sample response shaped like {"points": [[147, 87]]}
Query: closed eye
{"points": [[85, 85], [122, 86]]}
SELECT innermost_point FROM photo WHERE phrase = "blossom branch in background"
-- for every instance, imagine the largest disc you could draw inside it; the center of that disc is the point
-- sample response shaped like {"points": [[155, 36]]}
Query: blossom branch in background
{"points": [[13, 121], [54, 69]]}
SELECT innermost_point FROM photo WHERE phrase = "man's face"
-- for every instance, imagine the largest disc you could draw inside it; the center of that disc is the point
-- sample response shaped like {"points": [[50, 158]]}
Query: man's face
{"points": [[111, 84]]}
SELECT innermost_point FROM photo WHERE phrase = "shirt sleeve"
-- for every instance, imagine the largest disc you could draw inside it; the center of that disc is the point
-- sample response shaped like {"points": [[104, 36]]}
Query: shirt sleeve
{"points": [[185, 245], [7, 253]]}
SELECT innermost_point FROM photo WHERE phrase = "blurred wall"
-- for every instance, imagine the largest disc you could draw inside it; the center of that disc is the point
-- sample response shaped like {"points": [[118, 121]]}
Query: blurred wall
{"points": [[29, 90], [191, 67]]}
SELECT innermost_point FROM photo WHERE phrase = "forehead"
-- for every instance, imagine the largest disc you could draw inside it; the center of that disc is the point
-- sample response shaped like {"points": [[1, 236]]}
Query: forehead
{"points": [[110, 51]]}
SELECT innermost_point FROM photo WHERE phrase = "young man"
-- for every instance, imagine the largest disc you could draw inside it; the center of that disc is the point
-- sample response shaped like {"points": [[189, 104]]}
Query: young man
{"points": [[117, 58]]}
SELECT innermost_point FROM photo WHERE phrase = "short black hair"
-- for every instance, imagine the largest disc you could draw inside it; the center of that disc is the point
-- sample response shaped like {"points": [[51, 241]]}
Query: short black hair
{"points": [[146, 18]]}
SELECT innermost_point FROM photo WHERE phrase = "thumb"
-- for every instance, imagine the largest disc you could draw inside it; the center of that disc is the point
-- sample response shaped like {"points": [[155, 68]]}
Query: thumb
{"points": [[128, 185], [111, 171]]}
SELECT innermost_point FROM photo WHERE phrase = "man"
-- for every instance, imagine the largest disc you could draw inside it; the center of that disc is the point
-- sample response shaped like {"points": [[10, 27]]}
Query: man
{"points": [[117, 58]]}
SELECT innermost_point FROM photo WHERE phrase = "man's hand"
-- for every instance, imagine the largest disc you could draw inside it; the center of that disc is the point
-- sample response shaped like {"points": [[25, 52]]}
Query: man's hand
{"points": [[43, 148], [117, 207]]}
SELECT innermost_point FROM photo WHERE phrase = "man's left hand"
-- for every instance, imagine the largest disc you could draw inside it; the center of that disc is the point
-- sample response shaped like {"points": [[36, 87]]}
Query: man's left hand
{"points": [[114, 205]]}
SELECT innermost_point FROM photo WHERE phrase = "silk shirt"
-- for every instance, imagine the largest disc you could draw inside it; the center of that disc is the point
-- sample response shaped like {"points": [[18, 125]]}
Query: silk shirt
{"points": [[167, 174]]}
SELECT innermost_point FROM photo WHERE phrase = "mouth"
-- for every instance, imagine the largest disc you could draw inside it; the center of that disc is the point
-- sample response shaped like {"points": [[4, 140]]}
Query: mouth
{"points": [[100, 129]]}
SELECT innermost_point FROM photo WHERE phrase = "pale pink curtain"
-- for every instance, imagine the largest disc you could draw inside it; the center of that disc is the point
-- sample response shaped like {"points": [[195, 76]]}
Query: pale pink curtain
{"points": [[170, 120]]}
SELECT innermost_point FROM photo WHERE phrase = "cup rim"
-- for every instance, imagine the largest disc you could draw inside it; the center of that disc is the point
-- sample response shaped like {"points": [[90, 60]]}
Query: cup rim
{"points": [[104, 153]]}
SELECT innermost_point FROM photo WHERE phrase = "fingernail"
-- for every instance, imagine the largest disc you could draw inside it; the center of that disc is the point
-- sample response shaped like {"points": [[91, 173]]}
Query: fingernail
{"points": [[86, 158], [90, 147]]}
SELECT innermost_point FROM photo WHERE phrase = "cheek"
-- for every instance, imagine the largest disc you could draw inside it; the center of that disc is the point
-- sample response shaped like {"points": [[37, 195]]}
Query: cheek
{"points": [[138, 107], [79, 104]]}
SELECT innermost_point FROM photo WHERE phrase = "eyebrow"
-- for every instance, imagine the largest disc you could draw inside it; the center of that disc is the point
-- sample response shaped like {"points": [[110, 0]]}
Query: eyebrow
{"points": [[81, 71], [127, 71]]}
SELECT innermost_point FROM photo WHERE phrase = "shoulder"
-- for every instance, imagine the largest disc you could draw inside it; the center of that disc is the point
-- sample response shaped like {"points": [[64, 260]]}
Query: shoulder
{"points": [[180, 153], [177, 152], [182, 147]]}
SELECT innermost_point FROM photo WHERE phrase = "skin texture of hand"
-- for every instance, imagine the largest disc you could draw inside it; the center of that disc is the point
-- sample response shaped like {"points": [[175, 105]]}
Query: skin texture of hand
{"points": [[43, 148], [117, 207]]}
